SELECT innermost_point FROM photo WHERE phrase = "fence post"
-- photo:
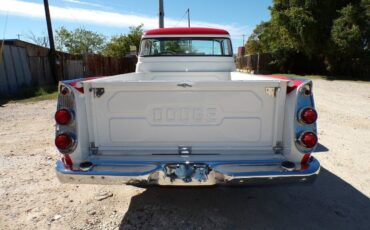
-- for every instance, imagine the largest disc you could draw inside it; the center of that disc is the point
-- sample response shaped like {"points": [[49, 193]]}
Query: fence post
{"points": [[258, 63], [84, 64]]}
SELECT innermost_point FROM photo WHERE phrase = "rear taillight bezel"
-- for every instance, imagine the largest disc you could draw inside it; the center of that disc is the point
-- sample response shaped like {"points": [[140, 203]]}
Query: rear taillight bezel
{"points": [[70, 114], [303, 146], [305, 101], [71, 146], [67, 103], [301, 113]]}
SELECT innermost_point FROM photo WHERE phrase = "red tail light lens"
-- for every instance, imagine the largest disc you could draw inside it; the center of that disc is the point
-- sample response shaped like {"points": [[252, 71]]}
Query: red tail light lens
{"points": [[308, 140], [63, 141], [308, 116], [63, 116], [67, 161]]}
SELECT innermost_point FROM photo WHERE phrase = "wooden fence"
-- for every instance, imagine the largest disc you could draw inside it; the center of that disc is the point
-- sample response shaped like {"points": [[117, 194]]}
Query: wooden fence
{"points": [[256, 63], [24, 64]]}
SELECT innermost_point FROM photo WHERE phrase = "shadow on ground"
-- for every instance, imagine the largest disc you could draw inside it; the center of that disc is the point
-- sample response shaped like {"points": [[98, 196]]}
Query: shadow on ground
{"points": [[329, 203], [24, 93]]}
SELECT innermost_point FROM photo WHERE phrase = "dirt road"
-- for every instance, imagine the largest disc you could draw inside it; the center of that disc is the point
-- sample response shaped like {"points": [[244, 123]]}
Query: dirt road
{"points": [[32, 198]]}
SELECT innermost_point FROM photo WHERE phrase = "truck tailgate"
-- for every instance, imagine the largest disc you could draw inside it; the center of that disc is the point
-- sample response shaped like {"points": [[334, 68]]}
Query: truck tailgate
{"points": [[154, 117]]}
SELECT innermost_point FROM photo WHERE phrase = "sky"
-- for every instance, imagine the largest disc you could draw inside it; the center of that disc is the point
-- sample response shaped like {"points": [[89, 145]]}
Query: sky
{"points": [[113, 17]]}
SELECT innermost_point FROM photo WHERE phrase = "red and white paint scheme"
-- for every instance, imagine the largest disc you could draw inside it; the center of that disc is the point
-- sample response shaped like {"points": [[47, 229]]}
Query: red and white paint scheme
{"points": [[186, 118]]}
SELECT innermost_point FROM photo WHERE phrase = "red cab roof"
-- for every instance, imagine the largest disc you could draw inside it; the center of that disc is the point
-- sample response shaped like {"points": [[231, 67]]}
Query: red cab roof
{"points": [[186, 31]]}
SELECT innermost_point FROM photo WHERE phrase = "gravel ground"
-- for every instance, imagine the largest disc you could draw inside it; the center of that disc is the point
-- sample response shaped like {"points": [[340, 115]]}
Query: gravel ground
{"points": [[32, 198]]}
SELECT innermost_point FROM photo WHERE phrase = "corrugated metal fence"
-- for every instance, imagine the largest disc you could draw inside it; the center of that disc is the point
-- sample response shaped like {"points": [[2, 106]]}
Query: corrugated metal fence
{"points": [[24, 64], [14, 70]]}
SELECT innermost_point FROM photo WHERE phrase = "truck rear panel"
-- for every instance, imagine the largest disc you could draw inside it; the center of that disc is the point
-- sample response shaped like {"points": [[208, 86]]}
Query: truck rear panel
{"points": [[158, 117], [188, 129]]}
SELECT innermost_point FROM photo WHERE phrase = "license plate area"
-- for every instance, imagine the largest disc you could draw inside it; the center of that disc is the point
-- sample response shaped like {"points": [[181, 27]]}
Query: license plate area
{"points": [[187, 172]]}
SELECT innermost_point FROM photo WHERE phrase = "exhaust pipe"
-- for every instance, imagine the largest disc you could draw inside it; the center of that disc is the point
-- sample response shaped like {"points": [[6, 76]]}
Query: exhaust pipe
{"points": [[86, 166], [288, 166]]}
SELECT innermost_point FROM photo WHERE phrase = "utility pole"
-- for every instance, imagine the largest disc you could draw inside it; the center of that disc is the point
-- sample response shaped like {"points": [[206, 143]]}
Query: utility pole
{"points": [[161, 14], [188, 17], [48, 22], [52, 54], [243, 39]]}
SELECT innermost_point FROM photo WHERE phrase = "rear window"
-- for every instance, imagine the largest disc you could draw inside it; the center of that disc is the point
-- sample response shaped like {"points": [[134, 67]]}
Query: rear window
{"points": [[185, 47]]}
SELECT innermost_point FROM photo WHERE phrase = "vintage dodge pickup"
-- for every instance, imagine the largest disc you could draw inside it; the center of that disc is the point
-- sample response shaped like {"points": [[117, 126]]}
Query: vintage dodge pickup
{"points": [[186, 118]]}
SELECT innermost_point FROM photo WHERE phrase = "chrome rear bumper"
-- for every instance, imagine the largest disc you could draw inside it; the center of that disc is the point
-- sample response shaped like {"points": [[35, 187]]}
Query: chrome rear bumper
{"points": [[221, 173]]}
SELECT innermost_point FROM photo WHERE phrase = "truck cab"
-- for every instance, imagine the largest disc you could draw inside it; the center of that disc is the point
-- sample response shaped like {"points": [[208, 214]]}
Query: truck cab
{"points": [[186, 118], [186, 50]]}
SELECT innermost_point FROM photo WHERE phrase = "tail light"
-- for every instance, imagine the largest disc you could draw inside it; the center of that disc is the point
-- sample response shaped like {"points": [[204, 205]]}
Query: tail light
{"points": [[308, 140], [64, 141], [66, 130], [307, 116], [64, 90], [67, 161], [63, 116], [306, 90]]}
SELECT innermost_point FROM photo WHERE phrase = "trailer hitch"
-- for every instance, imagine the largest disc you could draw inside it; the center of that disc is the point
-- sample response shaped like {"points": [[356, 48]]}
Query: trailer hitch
{"points": [[187, 172]]}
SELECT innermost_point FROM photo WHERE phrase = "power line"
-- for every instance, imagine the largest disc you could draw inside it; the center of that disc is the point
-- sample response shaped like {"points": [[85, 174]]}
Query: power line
{"points": [[2, 43], [5, 24], [182, 18], [75, 20]]}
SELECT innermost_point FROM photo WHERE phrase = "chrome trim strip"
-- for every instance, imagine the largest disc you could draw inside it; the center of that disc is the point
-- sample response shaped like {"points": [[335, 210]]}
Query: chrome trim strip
{"points": [[184, 160], [304, 101]]}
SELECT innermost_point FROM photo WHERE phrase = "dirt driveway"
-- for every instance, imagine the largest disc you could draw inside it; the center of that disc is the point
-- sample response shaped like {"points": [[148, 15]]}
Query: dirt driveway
{"points": [[32, 198]]}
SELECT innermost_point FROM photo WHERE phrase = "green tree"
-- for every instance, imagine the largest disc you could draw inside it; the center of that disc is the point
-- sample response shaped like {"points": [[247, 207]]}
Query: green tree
{"points": [[350, 36], [119, 45], [306, 35], [256, 42], [79, 41], [347, 31], [135, 34]]}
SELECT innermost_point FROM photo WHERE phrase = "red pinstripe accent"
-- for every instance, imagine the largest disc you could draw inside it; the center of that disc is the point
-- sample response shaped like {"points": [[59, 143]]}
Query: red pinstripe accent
{"points": [[80, 89], [289, 88]]}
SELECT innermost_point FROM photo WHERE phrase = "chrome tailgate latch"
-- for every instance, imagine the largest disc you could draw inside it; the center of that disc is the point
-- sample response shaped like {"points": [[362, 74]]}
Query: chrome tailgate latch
{"points": [[184, 150], [98, 92], [93, 149], [272, 91], [184, 85], [278, 148]]}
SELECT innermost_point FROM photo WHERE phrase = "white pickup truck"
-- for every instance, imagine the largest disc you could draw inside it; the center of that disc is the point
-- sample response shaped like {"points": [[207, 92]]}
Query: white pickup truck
{"points": [[186, 118]]}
